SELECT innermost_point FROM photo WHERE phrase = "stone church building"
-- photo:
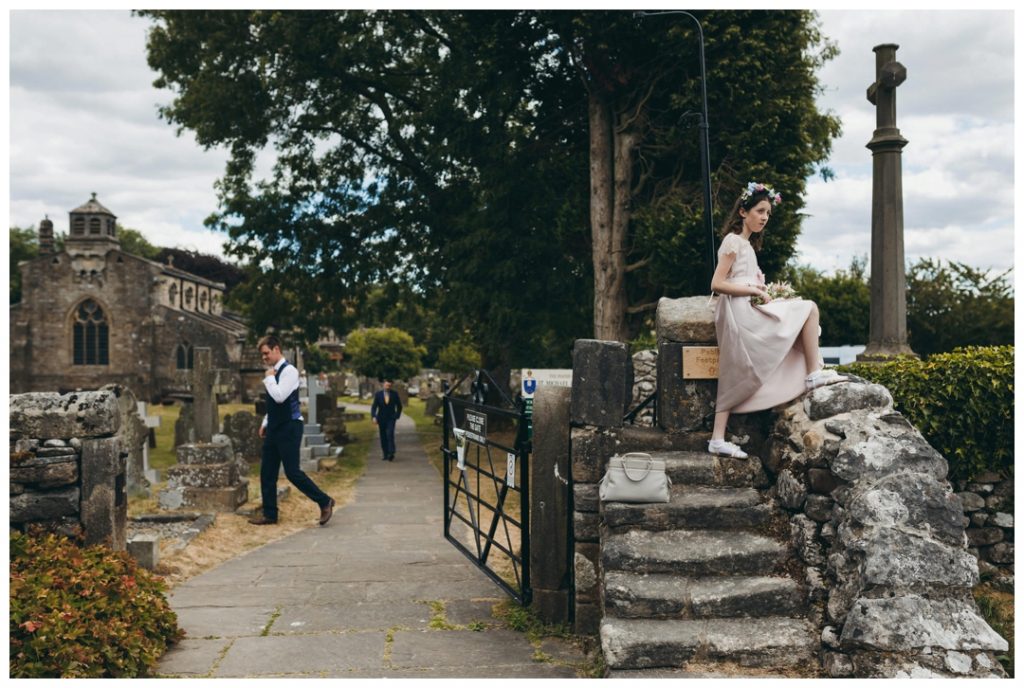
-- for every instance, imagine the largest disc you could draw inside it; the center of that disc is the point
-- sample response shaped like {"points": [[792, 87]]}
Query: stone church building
{"points": [[92, 314]]}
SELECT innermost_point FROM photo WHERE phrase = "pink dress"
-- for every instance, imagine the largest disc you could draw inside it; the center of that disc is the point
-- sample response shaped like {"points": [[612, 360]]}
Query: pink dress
{"points": [[760, 360]]}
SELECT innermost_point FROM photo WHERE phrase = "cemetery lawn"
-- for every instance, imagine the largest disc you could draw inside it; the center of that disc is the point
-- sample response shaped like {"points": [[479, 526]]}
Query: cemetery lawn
{"points": [[231, 535]]}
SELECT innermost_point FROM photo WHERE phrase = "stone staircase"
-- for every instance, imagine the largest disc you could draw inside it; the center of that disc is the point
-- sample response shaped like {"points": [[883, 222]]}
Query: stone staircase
{"points": [[701, 581]]}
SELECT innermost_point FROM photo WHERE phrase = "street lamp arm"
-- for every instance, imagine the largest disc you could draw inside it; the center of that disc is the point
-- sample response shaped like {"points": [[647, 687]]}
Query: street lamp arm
{"points": [[705, 153]]}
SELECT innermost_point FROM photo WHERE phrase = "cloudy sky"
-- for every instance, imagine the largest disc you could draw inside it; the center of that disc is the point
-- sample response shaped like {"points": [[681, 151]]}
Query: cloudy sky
{"points": [[83, 119]]}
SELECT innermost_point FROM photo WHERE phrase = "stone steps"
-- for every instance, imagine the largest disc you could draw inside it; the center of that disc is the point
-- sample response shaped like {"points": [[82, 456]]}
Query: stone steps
{"points": [[691, 508], [692, 552], [756, 642], [664, 596]]}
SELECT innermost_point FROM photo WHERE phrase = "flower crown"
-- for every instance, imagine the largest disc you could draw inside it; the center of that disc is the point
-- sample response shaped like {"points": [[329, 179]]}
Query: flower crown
{"points": [[758, 187]]}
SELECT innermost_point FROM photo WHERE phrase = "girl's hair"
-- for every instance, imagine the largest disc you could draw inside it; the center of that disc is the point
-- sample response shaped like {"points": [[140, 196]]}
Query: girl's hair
{"points": [[746, 201]]}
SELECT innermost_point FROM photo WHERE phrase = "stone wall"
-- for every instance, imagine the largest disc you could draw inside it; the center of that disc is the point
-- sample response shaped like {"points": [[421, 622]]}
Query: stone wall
{"points": [[988, 511], [645, 381], [69, 464], [880, 534]]}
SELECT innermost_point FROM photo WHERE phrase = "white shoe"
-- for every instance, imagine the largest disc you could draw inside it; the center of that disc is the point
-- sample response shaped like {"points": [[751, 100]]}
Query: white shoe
{"points": [[820, 378], [723, 448]]}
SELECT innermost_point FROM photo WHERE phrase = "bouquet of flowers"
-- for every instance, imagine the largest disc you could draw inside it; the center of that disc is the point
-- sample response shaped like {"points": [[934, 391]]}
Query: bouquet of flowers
{"points": [[776, 291]]}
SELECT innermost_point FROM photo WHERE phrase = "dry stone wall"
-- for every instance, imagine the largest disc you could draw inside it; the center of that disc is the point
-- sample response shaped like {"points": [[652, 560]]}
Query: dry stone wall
{"points": [[68, 464], [881, 536]]}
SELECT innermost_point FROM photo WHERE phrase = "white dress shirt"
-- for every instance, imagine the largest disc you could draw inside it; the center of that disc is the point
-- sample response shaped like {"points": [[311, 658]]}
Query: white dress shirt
{"points": [[279, 390]]}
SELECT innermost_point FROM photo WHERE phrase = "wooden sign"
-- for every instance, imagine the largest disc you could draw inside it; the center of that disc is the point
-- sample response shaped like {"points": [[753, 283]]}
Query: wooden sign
{"points": [[700, 362]]}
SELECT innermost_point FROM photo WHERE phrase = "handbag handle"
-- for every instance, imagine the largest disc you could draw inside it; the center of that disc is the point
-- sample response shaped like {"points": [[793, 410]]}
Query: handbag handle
{"points": [[625, 465]]}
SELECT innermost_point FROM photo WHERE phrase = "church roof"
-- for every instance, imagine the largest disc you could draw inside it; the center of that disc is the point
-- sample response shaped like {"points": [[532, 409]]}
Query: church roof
{"points": [[92, 206]]}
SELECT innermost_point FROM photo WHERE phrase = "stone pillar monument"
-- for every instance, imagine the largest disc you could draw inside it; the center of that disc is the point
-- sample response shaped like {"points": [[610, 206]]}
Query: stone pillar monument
{"points": [[888, 331]]}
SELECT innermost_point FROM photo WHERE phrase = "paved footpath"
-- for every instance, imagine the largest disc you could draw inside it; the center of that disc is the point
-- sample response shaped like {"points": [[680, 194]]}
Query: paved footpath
{"points": [[356, 597]]}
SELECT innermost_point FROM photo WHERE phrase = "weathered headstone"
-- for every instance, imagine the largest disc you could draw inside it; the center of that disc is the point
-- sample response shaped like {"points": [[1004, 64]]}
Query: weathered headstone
{"points": [[243, 429], [151, 475], [207, 475], [135, 438], [888, 324]]}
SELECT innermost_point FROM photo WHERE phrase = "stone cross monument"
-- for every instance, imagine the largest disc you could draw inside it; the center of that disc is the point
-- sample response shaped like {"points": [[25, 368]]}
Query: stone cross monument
{"points": [[888, 330]]}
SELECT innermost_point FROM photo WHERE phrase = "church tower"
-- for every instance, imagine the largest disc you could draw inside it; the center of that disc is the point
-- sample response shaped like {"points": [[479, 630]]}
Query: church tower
{"points": [[93, 229]]}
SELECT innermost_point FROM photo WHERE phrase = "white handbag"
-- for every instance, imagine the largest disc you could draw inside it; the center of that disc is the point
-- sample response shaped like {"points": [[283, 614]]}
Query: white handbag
{"points": [[635, 477]]}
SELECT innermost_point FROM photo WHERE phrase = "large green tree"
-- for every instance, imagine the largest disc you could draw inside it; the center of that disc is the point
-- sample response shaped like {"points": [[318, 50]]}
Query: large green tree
{"points": [[533, 173]]}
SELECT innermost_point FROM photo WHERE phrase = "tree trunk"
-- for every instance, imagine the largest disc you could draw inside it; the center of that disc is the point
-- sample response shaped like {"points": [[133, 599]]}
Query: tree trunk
{"points": [[609, 218]]}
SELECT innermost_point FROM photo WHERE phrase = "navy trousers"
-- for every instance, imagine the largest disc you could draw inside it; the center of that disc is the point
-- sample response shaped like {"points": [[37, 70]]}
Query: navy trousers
{"points": [[387, 436], [281, 445]]}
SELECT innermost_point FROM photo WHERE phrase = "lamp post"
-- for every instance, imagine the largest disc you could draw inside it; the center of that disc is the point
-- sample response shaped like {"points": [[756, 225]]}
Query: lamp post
{"points": [[705, 163]]}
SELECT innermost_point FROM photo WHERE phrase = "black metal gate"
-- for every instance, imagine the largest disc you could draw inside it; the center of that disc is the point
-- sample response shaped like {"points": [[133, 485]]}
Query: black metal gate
{"points": [[486, 490]]}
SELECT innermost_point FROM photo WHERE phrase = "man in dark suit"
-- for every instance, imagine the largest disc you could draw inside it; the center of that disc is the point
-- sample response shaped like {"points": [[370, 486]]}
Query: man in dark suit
{"points": [[282, 435], [386, 409]]}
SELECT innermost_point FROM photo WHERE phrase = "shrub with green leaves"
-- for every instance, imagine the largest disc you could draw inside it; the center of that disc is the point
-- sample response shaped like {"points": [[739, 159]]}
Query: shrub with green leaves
{"points": [[962, 402], [84, 611]]}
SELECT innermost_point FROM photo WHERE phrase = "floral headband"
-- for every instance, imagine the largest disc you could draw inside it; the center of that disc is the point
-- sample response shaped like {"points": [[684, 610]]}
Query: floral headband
{"points": [[758, 187]]}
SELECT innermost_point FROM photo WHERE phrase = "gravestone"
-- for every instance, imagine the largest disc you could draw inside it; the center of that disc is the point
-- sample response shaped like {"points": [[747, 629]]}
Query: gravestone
{"points": [[888, 323], [207, 475], [135, 439], [152, 422], [243, 429]]}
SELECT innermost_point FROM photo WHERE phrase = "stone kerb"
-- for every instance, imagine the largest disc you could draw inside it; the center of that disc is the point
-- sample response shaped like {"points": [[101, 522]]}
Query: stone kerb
{"points": [[68, 464], [881, 536]]}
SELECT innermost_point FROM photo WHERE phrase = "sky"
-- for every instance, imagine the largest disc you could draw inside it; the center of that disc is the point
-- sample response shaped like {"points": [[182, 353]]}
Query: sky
{"points": [[83, 118]]}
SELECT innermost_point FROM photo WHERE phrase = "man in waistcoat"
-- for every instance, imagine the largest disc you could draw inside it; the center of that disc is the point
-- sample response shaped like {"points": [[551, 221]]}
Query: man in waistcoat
{"points": [[386, 409], [282, 435]]}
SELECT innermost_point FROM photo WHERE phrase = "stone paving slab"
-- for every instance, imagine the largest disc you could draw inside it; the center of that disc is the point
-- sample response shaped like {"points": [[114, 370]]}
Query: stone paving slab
{"points": [[353, 599], [192, 657], [357, 616], [308, 654], [218, 622], [465, 649]]}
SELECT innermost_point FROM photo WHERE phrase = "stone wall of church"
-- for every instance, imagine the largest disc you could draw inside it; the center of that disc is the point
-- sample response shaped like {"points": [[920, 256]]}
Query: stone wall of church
{"points": [[143, 333], [53, 288]]}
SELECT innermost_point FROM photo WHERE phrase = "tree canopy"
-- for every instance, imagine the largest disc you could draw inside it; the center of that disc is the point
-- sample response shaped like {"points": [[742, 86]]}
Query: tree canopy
{"points": [[385, 353], [451, 151]]}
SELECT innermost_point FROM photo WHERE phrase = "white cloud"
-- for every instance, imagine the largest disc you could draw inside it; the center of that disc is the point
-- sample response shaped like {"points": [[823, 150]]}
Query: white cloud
{"points": [[956, 110]]}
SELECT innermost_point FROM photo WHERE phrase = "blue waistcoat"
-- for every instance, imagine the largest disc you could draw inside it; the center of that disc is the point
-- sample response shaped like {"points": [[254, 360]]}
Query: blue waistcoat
{"points": [[281, 413]]}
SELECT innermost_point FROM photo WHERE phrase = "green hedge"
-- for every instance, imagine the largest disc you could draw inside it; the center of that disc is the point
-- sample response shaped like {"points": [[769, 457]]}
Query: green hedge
{"points": [[84, 611], [962, 402]]}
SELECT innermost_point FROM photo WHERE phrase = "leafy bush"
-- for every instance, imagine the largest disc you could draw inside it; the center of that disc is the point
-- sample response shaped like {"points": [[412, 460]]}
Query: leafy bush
{"points": [[83, 611], [962, 402]]}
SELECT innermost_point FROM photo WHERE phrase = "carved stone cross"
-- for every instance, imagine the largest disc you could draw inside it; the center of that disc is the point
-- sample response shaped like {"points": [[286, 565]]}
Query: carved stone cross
{"points": [[888, 323], [206, 383]]}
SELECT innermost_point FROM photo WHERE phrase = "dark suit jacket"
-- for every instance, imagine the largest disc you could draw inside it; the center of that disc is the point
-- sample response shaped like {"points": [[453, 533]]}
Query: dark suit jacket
{"points": [[386, 412]]}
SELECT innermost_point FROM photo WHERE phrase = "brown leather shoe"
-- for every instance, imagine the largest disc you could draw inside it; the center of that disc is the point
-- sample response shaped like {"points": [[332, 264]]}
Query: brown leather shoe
{"points": [[326, 512], [262, 520]]}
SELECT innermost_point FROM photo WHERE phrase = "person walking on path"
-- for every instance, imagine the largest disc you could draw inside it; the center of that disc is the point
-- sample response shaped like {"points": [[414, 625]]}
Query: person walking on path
{"points": [[282, 435], [385, 411], [768, 349]]}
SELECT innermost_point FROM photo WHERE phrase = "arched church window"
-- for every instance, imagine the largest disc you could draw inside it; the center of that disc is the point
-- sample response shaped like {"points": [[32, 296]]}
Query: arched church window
{"points": [[188, 297], [91, 335], [94, 225], [110, 228], [202, 301], [78, 226], [183, 355], [173, 294]]}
